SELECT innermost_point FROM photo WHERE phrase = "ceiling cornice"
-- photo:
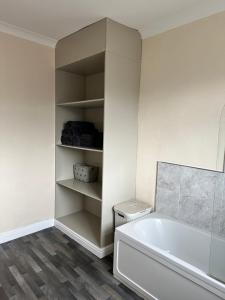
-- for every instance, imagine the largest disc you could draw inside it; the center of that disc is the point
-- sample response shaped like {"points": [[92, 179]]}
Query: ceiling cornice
{"points": [[27, 35], [183, 18]]}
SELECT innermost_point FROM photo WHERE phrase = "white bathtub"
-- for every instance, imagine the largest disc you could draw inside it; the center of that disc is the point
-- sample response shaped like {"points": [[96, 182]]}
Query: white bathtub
{"points": [[160, 258]]}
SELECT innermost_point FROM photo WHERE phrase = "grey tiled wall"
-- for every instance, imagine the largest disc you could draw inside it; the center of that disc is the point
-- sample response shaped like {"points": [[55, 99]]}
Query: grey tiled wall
{"points": [[191, 195]]}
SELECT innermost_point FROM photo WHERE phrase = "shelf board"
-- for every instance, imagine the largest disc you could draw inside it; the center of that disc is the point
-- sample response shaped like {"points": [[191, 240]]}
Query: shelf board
{"points": [[92, 103], [84, 224], [80, 148], [86, 66], [93, 189]]}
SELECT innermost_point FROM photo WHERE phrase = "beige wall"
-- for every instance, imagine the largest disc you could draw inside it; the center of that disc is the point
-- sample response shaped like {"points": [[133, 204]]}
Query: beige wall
{"points": [[181, 98], [27, 132]]}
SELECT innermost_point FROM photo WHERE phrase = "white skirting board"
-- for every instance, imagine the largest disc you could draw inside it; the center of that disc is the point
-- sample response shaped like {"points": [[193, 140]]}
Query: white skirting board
{"points": [[22, 231], [99, 252], [32, 228]]}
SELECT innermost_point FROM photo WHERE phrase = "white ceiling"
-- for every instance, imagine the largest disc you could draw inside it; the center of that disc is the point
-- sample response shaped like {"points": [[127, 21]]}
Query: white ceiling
{"points": [[54, 19]]}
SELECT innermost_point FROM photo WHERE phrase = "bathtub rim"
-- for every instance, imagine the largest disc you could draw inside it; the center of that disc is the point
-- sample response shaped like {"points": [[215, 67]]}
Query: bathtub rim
{"points": [[179, 266]]}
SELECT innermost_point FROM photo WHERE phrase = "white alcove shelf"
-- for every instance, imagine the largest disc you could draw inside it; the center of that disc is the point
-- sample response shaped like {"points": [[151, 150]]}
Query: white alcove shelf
{"points": [[93, 189], [80, 148], [91, 103], [85, 224]]}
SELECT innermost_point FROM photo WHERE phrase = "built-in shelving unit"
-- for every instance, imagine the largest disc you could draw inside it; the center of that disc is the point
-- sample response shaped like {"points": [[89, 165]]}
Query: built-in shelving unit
{"points": [[93, 189], [97, 80]]}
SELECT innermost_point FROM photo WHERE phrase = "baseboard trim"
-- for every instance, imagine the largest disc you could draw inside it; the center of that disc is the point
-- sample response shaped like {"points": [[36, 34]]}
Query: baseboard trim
{"points": [[99, 252], [23, 231]]}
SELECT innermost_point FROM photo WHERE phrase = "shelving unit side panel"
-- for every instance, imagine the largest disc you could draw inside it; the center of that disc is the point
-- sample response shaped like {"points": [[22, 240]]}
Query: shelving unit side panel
{"points": [[81, 44], [120, 136], [123, 40]]}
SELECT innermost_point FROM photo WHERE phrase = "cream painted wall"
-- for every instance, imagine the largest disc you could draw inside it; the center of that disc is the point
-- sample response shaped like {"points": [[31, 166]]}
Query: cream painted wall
{"points": [[181, 98], [27, 132]]}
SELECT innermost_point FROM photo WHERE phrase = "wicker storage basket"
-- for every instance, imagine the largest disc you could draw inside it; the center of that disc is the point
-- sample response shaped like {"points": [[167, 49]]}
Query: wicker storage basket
{"points": [[85, 173]]}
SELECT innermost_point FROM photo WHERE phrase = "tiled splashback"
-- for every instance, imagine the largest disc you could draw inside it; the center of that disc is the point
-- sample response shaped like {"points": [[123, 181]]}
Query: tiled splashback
{"points": [[191, 195]]}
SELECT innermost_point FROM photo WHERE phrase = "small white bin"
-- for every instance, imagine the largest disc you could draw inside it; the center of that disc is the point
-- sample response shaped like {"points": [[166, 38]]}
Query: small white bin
{"points": [[130, 210]]}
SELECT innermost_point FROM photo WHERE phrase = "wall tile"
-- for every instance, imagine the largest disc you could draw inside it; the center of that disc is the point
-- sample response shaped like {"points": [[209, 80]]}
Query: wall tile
{"points": [[168, 202], [194, 196], [168, 189], [197, 183], [196, 211], [218, 220]]}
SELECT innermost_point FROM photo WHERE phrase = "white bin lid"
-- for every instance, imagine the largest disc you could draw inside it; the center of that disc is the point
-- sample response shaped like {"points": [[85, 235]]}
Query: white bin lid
{"points": [[132, 207]]}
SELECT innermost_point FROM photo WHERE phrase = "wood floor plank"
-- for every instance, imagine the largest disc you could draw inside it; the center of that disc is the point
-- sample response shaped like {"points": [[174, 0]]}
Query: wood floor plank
{"points": [[48, 265], [22, 283], [3, 295]]}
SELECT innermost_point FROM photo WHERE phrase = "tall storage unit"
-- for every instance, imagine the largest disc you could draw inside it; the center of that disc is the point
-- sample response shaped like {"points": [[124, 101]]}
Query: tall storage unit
{"points": [[97, 80]]}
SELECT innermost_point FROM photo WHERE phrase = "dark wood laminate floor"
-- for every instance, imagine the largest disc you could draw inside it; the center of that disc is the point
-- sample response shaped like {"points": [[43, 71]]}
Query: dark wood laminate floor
{"points": [[49, 265]]}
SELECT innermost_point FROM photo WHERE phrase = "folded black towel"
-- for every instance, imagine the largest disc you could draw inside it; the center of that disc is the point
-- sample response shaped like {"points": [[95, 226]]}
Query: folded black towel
{"points": [[67, 132], [98, 141], [71, 132], [76, 140], [80, 126], [66, 140], [83, 134], [87, 140]]}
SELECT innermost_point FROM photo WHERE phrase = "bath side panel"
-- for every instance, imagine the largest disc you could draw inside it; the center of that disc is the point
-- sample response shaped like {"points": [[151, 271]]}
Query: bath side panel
{"points": [[150, 278]]}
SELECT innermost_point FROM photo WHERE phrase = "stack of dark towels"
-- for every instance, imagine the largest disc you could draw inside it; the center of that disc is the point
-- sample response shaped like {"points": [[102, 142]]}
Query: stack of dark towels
{"points": [[82, 134]]}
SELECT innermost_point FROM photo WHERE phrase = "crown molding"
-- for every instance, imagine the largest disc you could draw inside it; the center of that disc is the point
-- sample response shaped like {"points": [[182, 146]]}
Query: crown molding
{"points": [[27, 35], [193, 14]]}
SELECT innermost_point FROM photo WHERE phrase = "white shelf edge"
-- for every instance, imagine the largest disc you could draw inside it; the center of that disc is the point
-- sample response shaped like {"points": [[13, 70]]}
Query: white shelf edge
{"points": [[61, 183], [80, 148], [99, 252], [80, 103]]}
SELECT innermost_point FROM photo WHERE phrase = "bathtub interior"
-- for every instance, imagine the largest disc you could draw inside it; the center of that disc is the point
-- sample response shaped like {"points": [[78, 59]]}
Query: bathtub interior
{"points": [[177, 239], [217, 258], [182, 243]]}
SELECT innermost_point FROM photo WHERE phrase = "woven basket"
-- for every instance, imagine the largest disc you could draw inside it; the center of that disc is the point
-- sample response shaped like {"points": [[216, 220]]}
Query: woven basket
{"points": [[85, 173]]}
